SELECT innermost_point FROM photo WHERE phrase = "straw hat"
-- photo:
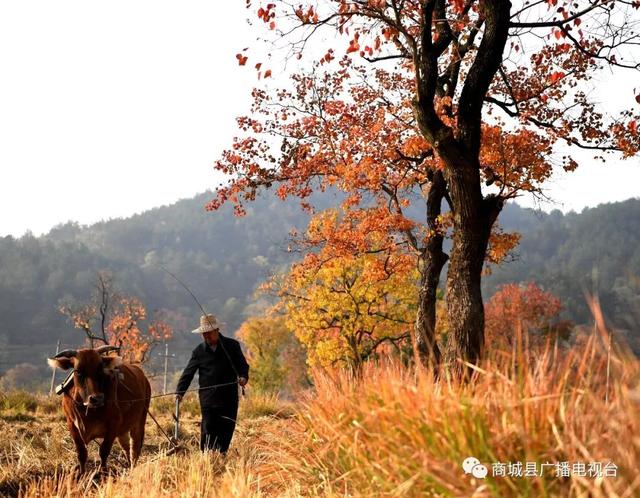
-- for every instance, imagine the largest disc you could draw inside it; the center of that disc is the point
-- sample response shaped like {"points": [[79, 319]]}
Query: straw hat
{"points": [[207, 324]]}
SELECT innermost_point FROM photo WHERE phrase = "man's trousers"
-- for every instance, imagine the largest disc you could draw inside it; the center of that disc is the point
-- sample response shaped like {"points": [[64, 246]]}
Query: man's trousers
{"points": [[218, 424]]}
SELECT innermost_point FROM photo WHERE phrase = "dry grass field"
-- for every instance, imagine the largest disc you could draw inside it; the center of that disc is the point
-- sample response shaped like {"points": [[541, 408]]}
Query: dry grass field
{"points": [[37, 454], [390, 431]]}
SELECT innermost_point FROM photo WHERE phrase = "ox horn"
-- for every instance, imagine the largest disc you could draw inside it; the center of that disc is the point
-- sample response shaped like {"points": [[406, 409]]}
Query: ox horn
{"points": [[106, 349], [67, 353]]}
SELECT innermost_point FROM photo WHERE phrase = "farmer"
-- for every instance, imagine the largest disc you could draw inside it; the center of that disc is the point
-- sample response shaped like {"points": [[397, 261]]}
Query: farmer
{"points": [[218, 360]]}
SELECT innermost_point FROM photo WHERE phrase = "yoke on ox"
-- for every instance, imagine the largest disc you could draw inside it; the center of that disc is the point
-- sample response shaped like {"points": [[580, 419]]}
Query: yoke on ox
{"points": [[107, 399]]}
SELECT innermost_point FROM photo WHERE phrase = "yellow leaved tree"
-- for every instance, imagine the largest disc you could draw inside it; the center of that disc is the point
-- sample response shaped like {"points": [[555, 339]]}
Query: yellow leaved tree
{"points": [[352, 307], [277, 358]]}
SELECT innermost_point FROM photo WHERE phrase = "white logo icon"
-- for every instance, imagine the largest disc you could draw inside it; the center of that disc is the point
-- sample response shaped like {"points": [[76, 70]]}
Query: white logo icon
{"points": [[473, 466]]}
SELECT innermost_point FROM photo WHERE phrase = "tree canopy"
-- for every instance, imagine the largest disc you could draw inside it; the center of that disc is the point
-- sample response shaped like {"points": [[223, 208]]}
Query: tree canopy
{"points": [[468, 102]]}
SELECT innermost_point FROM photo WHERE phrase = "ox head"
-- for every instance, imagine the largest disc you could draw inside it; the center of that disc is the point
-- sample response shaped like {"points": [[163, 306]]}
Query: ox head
{"points": [[92, 372]]}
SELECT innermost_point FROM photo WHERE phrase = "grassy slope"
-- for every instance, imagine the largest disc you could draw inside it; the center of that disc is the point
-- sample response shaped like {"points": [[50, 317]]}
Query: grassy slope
{"points": [[391, 432]]}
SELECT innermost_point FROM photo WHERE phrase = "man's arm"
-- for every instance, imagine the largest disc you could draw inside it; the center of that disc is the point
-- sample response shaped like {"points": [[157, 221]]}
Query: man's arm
{"points": [[187, 375], [241, 364]]}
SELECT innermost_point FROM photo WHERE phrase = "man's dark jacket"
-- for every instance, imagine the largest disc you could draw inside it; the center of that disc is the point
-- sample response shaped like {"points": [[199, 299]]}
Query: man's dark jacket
{"points": [[215, 367]]}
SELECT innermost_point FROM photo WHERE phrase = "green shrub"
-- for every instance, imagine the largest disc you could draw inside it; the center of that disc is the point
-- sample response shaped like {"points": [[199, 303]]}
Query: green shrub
{"points": [[18, 401]]}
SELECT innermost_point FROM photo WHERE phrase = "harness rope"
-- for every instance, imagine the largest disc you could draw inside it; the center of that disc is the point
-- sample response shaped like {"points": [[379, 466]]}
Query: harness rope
{"points": [[172, 441], [187, 391], [159, 395]]}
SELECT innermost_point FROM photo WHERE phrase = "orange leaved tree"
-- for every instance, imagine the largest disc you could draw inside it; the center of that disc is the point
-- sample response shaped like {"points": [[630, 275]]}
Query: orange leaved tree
{"points": [[470, 102], [114, 319], [525, 308]]}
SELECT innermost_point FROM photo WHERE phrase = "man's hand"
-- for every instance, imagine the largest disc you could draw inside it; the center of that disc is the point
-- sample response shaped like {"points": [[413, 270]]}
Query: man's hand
{"points": [[179, 397], [242, 381]]}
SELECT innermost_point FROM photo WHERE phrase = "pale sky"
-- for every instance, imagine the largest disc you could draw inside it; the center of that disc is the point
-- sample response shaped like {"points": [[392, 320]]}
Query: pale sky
{"points": [[111, 108]]}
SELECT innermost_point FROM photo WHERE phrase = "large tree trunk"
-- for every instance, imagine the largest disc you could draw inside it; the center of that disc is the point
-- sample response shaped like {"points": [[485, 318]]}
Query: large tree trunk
{"points": [[473, 219], [432, 261], [465, 310]]}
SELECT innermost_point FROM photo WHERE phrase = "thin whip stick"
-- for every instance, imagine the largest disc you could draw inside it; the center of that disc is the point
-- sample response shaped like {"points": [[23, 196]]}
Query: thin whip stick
{"points": [[186, 288], [204, 313]]}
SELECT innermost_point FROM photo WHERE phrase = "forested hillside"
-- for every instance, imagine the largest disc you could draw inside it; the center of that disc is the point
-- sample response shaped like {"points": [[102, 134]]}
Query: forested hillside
{"points": [[223, 258]]}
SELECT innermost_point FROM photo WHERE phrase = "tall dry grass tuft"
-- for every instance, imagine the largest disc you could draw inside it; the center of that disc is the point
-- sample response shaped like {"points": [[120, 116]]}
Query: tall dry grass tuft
{"points": [[393, 432]]}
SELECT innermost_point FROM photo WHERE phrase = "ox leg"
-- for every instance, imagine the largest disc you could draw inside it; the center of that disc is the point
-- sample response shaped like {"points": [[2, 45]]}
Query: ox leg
{"points": [[105, 449], [81, 448], [137, 438], [126, 446]]}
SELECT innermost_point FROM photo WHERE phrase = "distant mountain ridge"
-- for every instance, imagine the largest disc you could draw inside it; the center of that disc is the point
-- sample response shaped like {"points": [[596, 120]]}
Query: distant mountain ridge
{"points": [[223, 258]]}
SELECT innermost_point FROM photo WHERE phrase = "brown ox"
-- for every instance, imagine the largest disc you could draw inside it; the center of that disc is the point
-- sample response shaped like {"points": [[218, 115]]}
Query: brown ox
{"points": [[108, 400]]}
